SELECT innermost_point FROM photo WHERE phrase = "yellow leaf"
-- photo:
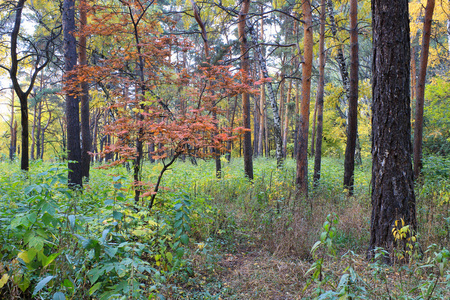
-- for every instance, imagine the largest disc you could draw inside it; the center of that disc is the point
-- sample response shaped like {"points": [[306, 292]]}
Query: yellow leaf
{"points": [[24, 256], [4, 280]]}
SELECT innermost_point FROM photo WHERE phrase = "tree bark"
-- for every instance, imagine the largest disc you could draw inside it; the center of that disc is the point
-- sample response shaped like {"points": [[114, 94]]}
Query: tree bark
{"points": [[72, 106], [248, 159], [319, 99], [352, 124], [12, 145], [272, 99], [418, 124], [392, 176], [302, 155], [84, 98]]}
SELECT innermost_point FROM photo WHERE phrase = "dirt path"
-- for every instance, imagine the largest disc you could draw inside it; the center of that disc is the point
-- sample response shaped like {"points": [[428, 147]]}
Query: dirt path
{"points": [[256, 274]]}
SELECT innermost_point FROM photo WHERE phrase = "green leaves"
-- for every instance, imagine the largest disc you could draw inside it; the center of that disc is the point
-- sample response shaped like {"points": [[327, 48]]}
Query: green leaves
{"points": [[41, 284]]}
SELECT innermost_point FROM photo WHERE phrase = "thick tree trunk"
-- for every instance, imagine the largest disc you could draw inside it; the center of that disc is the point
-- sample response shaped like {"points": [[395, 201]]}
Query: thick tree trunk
{"points": [[84, 99], [319, 99], [72, 106], [248, 159], [352, 124], [418, 124], [302, 156], [392, 177]]}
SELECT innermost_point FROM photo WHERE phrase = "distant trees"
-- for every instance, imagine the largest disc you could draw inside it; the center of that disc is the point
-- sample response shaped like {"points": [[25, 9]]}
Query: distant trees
{"points": [[392, 176], [37, 52]]}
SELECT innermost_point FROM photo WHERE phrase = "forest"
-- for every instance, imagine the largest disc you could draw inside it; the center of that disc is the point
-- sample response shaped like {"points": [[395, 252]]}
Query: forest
{"points": [[224, 149]]}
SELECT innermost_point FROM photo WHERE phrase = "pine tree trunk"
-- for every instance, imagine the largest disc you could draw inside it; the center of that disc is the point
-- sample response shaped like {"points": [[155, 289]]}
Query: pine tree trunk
{"points": [[302, 156], [72, 106], [352, 124], [392, 176], [248, 159]]}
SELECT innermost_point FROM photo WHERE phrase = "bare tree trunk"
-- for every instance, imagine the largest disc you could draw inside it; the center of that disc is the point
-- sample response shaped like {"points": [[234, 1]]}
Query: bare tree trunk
{"points": [[392, 176], [12, 145], [248, 159], [418, 124], [352, 129], [72, 106], [302, 157], [319, 99]]}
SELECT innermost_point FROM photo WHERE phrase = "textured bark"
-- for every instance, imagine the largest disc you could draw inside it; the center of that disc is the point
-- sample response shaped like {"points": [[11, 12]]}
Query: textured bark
{"points": [[319, 99], [271, 96], [418, 124], [72, 106], [302, 155], [352, 123], [12, 144], [248, 159], [84, 99], [392, 177]]}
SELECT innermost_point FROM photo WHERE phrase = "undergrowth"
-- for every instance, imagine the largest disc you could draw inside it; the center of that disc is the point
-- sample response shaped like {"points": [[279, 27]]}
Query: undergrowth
{"points": [[209, 238]]}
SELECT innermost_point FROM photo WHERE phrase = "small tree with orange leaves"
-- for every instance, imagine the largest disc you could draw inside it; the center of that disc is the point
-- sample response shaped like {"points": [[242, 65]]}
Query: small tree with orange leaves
{"points": [[154, 99]]}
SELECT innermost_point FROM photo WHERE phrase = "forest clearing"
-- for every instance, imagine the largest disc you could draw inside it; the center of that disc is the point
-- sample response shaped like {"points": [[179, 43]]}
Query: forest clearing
{"points": [[224, 149]]}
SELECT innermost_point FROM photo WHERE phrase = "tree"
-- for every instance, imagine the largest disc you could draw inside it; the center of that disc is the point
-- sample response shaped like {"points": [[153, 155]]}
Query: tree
{"points": [[72, 105], [39, 53], [352, 128], [248, 160], [420, 99], [392, 177], [319, 99], [302, 155]]}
